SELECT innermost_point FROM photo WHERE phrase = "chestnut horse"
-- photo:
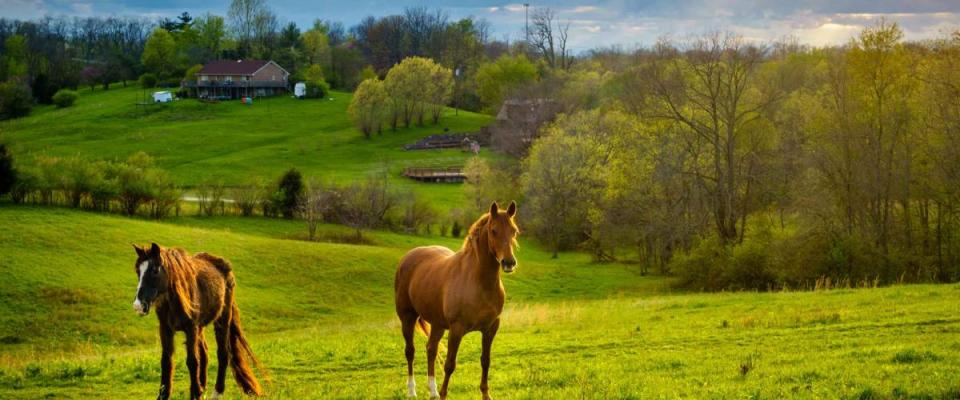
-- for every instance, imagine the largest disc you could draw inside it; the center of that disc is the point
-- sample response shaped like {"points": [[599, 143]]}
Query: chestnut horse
{"points": [[437, 290], [190, 292]]}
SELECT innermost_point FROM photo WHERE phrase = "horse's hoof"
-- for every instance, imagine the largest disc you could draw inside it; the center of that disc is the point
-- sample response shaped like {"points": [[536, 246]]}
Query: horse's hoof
{"points": [[216, 395]]}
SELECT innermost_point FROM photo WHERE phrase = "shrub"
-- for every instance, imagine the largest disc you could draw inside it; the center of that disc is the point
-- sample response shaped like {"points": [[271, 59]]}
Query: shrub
{"points": [[148, 80], [247, 198], [64, 98], [8, 174], [15, 100], [289, 193], [317, 89]]}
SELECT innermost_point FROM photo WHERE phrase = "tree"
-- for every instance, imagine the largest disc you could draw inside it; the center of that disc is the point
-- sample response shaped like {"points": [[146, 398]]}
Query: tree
{"points": [[414, 84], [316, 202], [713, 96], [211, 34], [289, 193], [15, 100], [15, 58], [316, 47], [496, 80], [439, 91], [160, 53], [549, 40], [8, 174], [368, 106]]}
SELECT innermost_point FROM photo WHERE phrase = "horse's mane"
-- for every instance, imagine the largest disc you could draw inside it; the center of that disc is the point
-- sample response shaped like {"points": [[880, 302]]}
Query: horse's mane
{"points": [[181, 273]]}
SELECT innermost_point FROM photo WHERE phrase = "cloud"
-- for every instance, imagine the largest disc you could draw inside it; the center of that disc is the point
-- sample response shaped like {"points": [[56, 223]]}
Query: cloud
{"points": [[584, 9], [82, 8], [513, 7], [23, 9]]}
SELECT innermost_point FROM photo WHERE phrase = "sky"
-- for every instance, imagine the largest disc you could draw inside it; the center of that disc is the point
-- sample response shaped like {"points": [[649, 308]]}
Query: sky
{"points": [[592, 24]]}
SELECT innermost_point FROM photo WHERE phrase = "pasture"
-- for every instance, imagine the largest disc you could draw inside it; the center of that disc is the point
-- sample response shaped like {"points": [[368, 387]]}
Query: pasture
{"points": [[320, 316], [234, 144]]}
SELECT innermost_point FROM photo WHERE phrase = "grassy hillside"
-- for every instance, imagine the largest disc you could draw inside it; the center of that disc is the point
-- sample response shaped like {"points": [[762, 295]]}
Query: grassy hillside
{"points": [[320, 316], [231, 142]]}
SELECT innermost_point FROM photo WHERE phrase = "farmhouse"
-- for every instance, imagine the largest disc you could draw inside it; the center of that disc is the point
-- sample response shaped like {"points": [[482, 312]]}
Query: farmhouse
{"points": [[233, 79]]}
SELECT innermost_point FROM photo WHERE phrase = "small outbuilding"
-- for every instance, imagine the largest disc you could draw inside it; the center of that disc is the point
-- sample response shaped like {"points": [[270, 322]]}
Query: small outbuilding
{"points": [[300, 90], [162, 97]]}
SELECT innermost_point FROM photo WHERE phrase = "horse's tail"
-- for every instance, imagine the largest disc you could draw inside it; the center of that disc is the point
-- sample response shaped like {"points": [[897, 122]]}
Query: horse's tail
{"points": [[241, 355], [423, 326]]}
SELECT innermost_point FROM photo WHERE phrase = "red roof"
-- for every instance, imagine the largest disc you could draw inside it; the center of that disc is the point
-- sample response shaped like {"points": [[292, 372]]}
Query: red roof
{"points": [[233, 67]]}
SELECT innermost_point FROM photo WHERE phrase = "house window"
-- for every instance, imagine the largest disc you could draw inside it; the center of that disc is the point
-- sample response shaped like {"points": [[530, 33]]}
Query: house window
{"points": [[246, 78], [204, 78], [229, 78]]}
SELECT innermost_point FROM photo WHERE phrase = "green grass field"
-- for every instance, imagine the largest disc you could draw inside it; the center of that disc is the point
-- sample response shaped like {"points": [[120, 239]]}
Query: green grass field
{"points": [[233, 143], [320, 317]]}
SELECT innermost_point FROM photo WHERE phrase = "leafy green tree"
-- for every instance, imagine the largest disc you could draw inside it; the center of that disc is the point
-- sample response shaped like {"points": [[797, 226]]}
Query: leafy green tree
{"points": [[496, 80], [368, 106], [160, 53], [15, 57], [15, 100]]}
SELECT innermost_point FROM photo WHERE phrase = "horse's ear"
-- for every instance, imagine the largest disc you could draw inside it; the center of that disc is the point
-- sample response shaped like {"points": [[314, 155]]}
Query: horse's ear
{"points": [[494, 209], [139, 250], [154, 250], [512, 209]]}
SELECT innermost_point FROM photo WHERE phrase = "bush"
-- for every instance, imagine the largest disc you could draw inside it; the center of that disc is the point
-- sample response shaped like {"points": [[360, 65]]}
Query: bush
{"points": [[8, 174], [289, 193], [148, 80], [317, 89], [64, 98], [15, 100]]}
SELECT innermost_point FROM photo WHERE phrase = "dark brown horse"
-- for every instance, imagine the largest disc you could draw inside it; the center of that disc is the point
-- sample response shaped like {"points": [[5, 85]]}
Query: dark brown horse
{"points": [[190, 292], [437, 290]]}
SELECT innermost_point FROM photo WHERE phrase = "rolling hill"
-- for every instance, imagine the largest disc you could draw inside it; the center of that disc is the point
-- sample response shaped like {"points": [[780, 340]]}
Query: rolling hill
{"points": [[320, 316], [233, 143]]}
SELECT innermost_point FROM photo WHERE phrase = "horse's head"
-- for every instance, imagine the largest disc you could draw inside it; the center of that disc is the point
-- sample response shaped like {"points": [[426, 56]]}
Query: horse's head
{"points": [[151, 275], [502, 235]]}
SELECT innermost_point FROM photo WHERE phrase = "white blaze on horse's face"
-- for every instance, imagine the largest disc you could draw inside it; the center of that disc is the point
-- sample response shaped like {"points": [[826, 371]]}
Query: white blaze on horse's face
{"points": [[136, 299], [502, 234]]}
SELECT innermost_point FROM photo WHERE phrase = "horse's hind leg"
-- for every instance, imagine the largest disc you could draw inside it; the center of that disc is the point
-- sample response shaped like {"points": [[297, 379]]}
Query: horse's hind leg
{"points": [[222, 329], [202, 350], [408, 323]]}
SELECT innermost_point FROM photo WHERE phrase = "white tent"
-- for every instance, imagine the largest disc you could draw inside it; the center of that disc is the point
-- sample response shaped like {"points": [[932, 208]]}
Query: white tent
{"points": [[162, 97], [300, 90]]}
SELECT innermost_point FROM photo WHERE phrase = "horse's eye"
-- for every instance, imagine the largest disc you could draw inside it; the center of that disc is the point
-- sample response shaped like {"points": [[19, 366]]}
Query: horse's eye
{"points": [[494, 232]]}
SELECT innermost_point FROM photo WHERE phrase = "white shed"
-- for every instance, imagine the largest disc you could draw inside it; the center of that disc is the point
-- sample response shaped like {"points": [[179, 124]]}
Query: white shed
{"points": [[300, 90], [162, 97]]}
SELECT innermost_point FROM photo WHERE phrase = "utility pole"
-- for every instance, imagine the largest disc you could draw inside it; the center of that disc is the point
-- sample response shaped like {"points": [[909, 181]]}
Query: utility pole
{"points": [[526, 24]]}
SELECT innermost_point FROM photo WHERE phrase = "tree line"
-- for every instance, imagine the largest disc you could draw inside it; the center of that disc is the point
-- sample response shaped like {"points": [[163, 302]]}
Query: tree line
{"points": [[42, 56], [739, 165]]}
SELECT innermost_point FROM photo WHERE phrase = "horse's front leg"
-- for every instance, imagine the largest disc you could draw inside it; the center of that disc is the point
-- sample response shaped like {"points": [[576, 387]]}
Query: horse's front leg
{"points": [[488, 336], [193, 363], [166, 362], [453, 345]]}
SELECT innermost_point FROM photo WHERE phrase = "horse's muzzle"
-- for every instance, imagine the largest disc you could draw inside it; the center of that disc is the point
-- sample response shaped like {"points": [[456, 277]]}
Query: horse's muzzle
{"points": [[508, 265], [141, 308]]}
